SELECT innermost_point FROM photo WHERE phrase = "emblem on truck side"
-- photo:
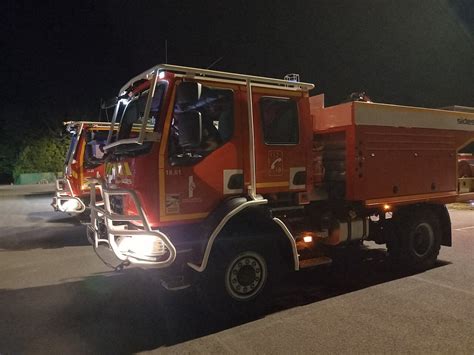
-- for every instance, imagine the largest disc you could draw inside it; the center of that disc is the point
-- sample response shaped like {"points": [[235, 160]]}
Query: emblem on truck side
{"points": [[275, 162], [172, 203]]}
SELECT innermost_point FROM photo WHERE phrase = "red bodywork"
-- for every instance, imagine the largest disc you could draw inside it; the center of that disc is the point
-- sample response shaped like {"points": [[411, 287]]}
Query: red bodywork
{"points": [[384, 163], [186, 194]]}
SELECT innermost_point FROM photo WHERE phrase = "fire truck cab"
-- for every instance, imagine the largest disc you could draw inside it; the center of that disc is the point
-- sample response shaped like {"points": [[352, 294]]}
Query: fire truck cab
{"points": [[84, 159], [234, 178]]}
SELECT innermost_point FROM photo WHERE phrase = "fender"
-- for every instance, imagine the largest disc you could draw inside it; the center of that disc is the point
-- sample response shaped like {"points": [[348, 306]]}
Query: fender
{"points": [[290, 237], [219, 219]]}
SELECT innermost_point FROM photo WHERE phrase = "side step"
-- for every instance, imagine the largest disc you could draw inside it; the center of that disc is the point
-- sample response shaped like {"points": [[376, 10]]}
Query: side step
{"points": [[320, 260]]}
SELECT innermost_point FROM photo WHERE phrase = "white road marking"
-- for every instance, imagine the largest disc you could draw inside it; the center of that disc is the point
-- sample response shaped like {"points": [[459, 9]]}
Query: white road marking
{"points": [[443, 285], [464, 228]]}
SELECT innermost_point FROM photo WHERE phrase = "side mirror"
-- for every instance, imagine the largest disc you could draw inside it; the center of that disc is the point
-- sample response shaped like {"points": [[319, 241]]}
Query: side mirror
{"points": [[188, 93], [189, 126]]}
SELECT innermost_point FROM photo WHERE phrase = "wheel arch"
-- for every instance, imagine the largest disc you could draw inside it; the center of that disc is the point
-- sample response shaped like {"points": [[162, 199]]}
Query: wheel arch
{"points": [[246, 220], [257, 223]]}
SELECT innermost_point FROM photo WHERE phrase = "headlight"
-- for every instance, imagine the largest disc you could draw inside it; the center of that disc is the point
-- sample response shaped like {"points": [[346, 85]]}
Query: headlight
{"points": [[71, 206], [147, 245]]}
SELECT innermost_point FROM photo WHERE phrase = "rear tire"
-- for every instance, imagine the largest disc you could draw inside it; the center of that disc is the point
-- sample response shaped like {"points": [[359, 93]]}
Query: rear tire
{"points": [[416, 240]]}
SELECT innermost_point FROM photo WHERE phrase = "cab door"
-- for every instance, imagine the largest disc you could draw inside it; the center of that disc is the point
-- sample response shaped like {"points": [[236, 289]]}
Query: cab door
{"points": [[282, 140], [196, 177]]}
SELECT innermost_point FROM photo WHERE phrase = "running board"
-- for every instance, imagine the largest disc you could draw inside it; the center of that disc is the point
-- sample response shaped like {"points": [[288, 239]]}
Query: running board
{"points": [[321, 260]]}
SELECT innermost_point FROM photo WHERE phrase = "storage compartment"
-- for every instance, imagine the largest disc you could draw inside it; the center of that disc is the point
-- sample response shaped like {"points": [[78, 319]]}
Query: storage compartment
{"points": [[330, 155], [398, 161], [393, 154]]}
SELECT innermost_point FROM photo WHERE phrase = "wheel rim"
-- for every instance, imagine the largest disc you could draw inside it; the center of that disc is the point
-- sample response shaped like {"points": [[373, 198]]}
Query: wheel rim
{"points": [[246, 275], [423, 239]]}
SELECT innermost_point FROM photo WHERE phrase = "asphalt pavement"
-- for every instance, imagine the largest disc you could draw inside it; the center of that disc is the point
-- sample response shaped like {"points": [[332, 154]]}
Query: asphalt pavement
{"points": [[56, 296]]}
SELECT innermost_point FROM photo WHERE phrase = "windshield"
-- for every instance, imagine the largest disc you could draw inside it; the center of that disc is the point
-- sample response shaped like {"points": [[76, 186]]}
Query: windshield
{"points": [[94, 152], [132, 116]]}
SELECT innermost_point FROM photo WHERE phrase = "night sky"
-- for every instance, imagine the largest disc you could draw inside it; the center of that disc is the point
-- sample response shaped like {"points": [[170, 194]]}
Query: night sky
{"points": [[60, 58]]}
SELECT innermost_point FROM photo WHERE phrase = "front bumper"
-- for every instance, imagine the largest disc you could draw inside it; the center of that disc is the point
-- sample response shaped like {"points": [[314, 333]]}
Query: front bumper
{"points": [[137, 246], [64, 201]]}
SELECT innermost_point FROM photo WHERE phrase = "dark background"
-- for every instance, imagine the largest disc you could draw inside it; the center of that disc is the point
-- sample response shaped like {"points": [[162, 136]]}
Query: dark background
{"points": [[59, 58]]}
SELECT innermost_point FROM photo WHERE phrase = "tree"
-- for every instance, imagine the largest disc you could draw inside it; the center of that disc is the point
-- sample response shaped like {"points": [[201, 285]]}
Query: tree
{"points": [[44, 154]]}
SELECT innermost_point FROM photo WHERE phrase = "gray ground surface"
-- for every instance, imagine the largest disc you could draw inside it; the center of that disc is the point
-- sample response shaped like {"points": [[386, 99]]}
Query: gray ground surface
{"points": [[57, 297]]}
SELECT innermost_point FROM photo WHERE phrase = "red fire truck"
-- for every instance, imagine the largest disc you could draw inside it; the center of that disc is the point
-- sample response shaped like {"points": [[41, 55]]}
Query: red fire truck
{"points": [[83, 160], [233, 179]]}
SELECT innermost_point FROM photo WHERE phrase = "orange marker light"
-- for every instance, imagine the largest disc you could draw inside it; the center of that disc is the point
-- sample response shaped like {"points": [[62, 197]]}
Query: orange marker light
{"points": [[386, 207]]}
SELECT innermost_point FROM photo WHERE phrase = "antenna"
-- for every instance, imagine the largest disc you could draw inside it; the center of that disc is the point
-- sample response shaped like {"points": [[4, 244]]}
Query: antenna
{"points": [[215, 62], [100, 109]]}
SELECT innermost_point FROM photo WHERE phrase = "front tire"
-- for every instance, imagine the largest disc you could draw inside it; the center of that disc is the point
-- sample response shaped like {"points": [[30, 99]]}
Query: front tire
{"points": [[240, 277], [246, 275]]}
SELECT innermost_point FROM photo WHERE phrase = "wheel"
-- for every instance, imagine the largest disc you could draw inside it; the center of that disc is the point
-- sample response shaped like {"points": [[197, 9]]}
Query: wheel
{"points": [[246, 275], [416, 241], [240, 277], [90, 236]]}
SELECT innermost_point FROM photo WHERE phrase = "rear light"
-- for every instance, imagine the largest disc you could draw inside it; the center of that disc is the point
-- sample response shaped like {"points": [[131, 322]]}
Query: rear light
{"points": [[307, 239]]}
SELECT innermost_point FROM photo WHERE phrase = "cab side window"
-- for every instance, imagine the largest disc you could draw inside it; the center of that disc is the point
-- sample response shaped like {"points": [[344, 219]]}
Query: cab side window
{"points": [[279, 120], [213, 108], [94, 152]]}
